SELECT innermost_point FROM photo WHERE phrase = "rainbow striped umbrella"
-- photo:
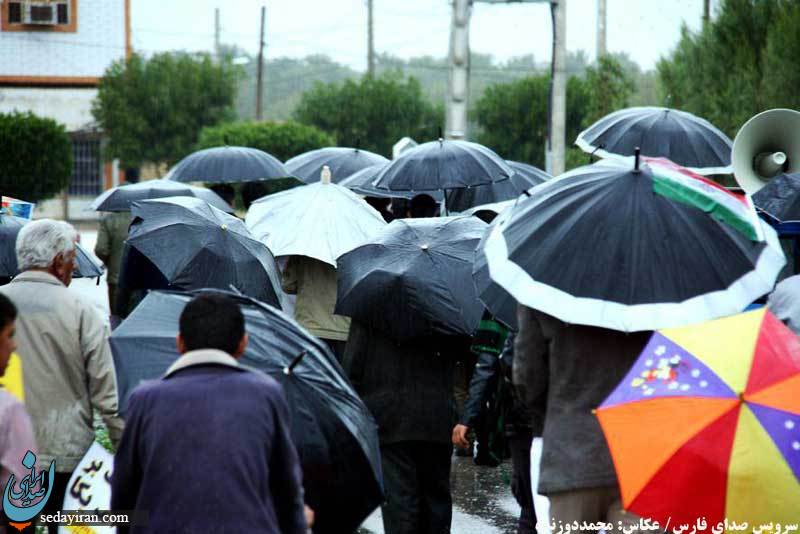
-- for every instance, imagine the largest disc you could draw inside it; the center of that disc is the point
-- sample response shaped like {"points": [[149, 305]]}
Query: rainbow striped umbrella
{"points": [[707, 424]]}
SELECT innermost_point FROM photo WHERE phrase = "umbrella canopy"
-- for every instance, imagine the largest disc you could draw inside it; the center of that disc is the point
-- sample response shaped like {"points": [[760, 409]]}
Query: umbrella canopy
{"points": [[121, 197], [86, 266], [496, 299], [676, 135], [414, 278], [195, 245], [779, 200], [459, 200], [607, 245], [361, 182], [441, 165], [227, 164], [707, 424], [321, 221], [335, 435], [533, 174], [343, 162]]}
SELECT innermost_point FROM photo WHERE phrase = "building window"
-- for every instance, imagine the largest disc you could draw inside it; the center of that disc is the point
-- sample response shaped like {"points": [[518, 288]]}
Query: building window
{"points": [[38, 15], [87, 168]]}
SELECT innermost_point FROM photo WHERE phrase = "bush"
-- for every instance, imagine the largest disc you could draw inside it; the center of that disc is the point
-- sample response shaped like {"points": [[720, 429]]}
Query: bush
{"points": [[37, 157], [283, 140]]}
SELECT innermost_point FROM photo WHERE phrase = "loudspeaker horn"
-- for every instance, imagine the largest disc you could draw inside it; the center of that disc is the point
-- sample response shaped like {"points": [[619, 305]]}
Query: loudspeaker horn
{"points": [[768, 144]]}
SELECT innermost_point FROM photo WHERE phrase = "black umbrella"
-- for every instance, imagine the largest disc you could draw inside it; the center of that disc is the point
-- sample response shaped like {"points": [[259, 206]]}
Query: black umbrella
{"points": [[442, 165], [342, 162], [524, 177], [414, 278], [195, 245], [85, 264], [121, 197], [496, 299], [611, 246], [226, 164], [676, 135], [335, 435], [779, 200], [532, 173], [361, 182]]}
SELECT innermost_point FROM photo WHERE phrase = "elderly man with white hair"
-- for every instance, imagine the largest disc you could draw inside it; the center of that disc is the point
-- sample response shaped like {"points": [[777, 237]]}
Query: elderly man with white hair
{"points": [[68, 371]]}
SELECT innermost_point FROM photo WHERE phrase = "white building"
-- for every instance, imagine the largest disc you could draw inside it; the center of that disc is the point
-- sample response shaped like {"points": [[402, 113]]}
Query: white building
{"points": [[52, 56]]}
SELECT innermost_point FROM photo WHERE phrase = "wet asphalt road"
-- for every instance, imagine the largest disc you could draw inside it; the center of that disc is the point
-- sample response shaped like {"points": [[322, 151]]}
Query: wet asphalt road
{"points": [[482, 499]]}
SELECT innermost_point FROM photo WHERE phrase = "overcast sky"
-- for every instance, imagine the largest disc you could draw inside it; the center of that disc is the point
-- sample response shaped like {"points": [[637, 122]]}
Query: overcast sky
{"points": [[645, 29]]}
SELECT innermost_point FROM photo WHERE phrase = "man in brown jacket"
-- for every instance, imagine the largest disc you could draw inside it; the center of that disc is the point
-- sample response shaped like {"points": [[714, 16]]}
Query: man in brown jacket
{"points": [[576, 367], [68, 372]]}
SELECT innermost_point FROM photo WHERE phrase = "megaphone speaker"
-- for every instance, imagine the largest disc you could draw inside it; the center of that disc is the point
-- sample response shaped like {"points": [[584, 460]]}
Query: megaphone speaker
{"points": [[767, 145]]}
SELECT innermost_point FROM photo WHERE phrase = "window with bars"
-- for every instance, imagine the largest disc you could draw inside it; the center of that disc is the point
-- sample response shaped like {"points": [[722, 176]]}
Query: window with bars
{"points": [[87, 176]]}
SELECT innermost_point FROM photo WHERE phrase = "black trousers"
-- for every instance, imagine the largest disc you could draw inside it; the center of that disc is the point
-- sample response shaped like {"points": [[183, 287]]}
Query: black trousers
{"points": [[416, 476], [520, 445], [337, 347]]}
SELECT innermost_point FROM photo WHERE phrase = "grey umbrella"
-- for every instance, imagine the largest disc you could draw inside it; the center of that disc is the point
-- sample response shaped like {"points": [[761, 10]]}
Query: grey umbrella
{"points": [[443, 165], [414, 278], [85, 264], [361, 182], [228, 164], [679, 136], [195, 245], [524, 177], [342, 162], [121, 197]]}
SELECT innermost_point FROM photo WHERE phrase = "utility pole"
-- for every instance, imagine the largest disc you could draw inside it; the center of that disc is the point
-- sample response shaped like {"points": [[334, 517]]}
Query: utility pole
{"points": [[602, 48], [259, 76], [558, 98], [458, 82], [706, 11], [370, 40], [216, 34]]}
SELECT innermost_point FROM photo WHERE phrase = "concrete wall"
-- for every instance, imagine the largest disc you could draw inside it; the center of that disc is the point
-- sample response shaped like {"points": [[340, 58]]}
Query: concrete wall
{"points": [[99, 40], [69, 106]]}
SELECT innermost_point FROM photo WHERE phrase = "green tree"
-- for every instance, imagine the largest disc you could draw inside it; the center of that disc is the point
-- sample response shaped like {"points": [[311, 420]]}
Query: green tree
{"points": [[38, 161], [282, 140], [153, 109], [609, 88], [726, 73], [513, 119], [371, 113]]}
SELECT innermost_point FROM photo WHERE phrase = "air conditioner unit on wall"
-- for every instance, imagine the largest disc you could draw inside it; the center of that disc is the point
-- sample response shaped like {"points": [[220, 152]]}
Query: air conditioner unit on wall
{"points": [[40, 13]]}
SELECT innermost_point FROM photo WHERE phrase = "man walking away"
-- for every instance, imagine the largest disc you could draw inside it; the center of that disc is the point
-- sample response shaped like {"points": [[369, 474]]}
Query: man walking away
{"points": [[207, 447], [576, 367]]}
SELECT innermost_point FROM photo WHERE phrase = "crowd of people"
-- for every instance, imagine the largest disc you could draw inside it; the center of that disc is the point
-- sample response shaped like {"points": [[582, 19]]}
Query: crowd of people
{"points": [[198, 461]]}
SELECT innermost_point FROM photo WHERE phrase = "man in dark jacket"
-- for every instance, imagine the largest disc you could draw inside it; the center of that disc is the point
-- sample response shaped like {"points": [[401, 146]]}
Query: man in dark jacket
{"points": [[408, 388], [207, 447], [578, 367], [521, 424]]}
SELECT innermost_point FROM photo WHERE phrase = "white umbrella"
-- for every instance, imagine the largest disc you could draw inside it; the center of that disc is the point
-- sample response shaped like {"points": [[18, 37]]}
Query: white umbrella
{"points": [[321, 221]]}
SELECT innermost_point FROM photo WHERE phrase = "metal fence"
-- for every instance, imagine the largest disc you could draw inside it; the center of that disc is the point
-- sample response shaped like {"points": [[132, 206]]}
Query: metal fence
{"points": [[87, 176]]}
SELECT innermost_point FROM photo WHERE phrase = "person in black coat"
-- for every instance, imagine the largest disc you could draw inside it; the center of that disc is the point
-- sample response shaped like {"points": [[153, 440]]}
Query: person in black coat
{"points": [[207, 448], [408, 388]]}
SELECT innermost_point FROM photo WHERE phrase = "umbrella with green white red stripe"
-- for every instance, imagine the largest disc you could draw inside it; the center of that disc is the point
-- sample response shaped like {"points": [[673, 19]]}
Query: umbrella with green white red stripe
{"points": [[633, 248]]}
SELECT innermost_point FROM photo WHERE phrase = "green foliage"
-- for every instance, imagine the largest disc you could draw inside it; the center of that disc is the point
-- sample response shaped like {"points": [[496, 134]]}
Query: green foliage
{"points": [[282, 140], [609, 88], [38, 161], [741, 63], [371, 113], [513, 117], [153, 109]]}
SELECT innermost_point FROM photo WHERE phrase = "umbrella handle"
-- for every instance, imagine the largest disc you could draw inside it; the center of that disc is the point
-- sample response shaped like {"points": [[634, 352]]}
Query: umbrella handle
{"points": [[290, 368]]}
